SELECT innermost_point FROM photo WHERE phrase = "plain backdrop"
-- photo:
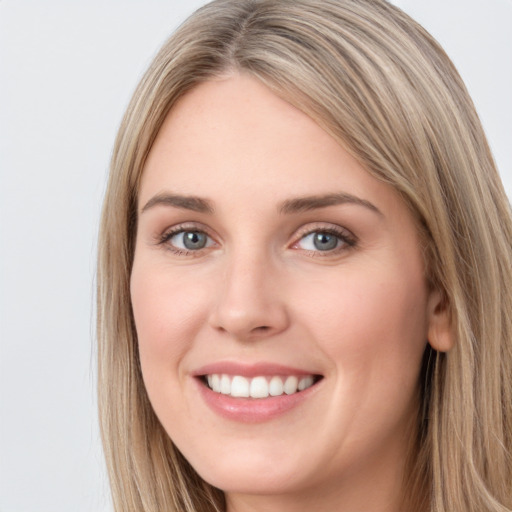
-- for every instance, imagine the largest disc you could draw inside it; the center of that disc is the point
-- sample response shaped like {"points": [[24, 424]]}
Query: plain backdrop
{"points": [[67, 70]]}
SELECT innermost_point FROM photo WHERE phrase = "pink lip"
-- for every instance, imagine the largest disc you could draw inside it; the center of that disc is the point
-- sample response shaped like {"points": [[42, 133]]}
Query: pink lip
{"points": [[250, 370], [251, 410]]}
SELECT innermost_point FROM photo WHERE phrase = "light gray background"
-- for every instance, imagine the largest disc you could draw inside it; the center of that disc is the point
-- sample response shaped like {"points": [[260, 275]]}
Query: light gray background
{"points": [[67, 70]]}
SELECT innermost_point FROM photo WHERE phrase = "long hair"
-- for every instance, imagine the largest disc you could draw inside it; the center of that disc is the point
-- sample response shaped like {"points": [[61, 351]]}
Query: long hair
{"points": [[381, 85]]}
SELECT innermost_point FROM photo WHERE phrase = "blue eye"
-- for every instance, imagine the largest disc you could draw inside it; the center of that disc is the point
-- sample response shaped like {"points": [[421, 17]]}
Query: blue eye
{"points": [[324, 241], [189, 240]]}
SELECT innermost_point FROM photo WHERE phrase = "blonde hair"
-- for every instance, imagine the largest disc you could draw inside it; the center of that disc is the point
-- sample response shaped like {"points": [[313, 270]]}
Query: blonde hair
{"points": [[382, 86]]}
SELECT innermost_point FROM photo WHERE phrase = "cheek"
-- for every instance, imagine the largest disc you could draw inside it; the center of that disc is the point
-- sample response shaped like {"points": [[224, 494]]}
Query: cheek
{"points": [[372, 326], [375, 305], [168, 313]]}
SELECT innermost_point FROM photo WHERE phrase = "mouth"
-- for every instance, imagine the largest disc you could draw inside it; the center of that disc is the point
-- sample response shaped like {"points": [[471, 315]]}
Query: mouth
{"points": [[260, 386], [255, 392]]}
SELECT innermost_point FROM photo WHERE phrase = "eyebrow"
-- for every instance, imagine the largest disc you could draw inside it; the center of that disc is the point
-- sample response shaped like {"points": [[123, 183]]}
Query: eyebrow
{"points": [[304, 204], [193, 203], [295, 205]]}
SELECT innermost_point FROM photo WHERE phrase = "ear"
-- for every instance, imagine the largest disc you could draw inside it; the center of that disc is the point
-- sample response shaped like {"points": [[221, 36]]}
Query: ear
{"points": [[440, 334]]}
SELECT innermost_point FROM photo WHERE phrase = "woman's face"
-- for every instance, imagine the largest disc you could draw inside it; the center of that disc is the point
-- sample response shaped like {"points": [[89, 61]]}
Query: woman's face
{"points": [[271, 266]]}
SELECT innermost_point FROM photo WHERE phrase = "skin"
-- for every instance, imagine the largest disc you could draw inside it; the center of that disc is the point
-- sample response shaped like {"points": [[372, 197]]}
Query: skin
{"points": [[260, 291]]}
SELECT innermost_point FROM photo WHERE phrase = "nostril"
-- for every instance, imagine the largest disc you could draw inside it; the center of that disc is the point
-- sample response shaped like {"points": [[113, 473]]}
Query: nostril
{"points": [[262, 328]]}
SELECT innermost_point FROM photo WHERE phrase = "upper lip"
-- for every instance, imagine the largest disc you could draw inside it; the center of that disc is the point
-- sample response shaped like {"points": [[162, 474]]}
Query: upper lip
{"points": [[250, 370]]}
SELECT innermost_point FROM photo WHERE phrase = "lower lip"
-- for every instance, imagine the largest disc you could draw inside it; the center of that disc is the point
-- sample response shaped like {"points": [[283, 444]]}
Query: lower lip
{"points": [[253, 410]]}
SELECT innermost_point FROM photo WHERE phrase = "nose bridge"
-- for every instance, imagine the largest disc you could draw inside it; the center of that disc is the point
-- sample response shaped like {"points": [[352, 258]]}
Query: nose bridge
{"points": [[249, 303]]}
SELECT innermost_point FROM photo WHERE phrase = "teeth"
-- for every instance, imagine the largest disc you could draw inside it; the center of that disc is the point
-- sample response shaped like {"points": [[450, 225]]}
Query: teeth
{"points": [[240, 387], [276, 386], [225, 385], [291, 384], [257, 387], [305, 382], [215, 385]]}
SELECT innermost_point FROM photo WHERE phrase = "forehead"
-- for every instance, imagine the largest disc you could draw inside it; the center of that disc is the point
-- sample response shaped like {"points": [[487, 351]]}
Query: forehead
{"points": [[234, 138]]}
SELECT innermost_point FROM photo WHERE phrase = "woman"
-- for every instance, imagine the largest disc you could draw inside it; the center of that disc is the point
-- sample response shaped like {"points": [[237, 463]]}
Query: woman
{"points": [[304, 272]]}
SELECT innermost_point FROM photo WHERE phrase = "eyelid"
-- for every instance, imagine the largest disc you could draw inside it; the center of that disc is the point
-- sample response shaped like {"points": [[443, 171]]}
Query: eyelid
{"points": [[163, 238], [348, 239]]}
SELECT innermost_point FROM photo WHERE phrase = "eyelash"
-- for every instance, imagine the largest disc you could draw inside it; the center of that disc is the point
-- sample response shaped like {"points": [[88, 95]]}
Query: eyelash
{"points": [[165, 238], [347, 239]]}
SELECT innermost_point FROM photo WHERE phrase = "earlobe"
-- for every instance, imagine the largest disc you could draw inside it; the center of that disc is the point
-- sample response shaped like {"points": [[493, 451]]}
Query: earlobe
{"points": [[440, 334]]}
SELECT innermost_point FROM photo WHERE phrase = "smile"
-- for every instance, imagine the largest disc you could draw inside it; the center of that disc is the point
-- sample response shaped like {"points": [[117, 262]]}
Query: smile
{"points": [[256, 392], [238, 386]]}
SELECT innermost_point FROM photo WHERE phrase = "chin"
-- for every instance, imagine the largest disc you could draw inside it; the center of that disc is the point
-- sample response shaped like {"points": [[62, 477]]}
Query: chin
{"points": [[254, 481]]}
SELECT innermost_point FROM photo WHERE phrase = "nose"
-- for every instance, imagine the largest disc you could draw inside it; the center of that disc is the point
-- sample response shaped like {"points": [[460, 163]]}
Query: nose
{"points": [[250, 301]]}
